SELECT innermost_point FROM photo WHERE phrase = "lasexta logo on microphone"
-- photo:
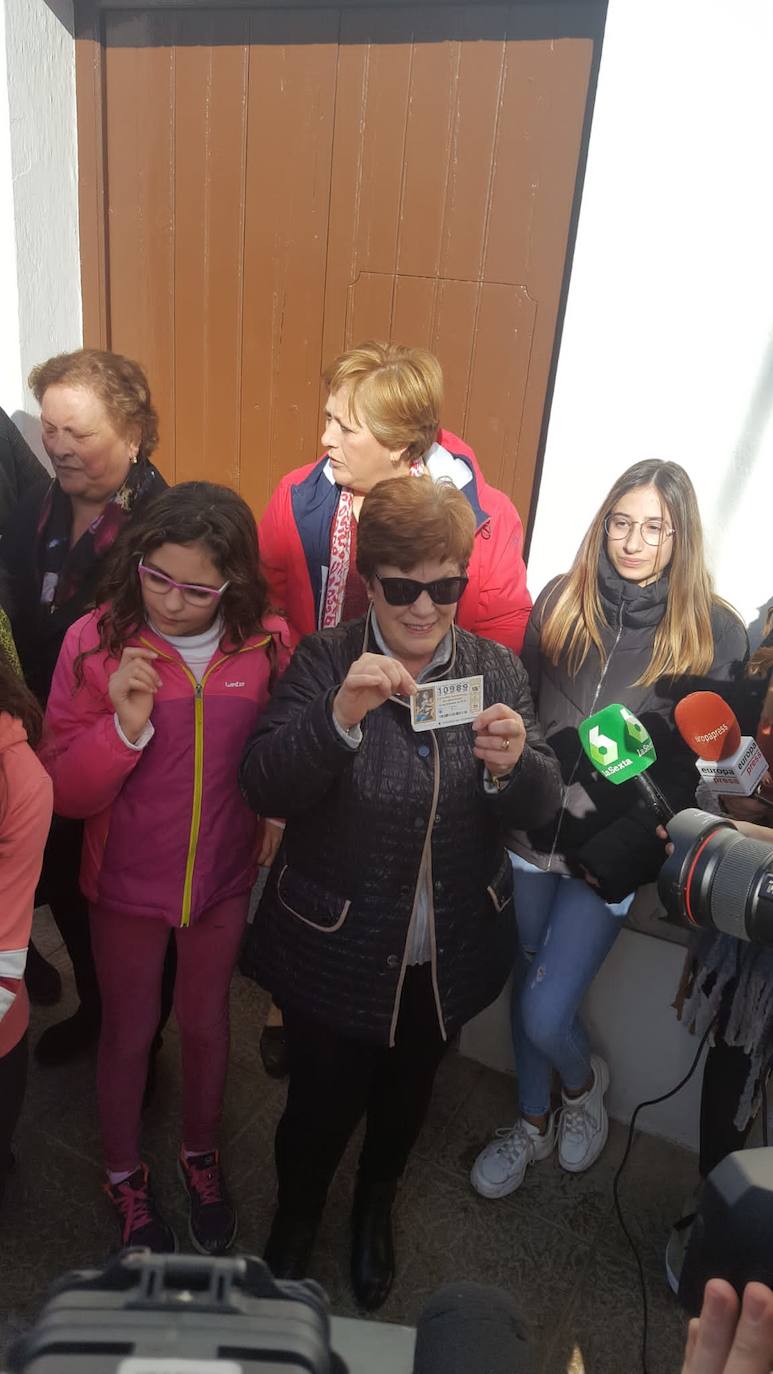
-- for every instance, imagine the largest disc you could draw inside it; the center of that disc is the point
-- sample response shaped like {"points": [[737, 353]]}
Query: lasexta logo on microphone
{"points": [[617, 744]]}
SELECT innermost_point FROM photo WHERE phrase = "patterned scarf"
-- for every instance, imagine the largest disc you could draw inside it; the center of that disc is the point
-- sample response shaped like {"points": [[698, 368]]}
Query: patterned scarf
{"points": [[62, 569], [7, 645], [340, 547]]}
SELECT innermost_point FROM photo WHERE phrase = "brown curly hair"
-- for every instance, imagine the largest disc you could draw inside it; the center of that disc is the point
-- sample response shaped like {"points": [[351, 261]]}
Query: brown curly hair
{"points": [[118, 382], [191, 513], [406, 519]]}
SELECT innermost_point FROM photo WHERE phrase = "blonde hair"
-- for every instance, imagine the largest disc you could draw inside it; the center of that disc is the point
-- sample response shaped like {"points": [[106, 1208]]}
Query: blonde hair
{"points": [[395, 391], [407, 519], [684, 639], [118, 382]]}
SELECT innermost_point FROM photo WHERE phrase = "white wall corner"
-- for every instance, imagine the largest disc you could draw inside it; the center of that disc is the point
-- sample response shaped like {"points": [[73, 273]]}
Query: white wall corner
{"points": [[40, 69], [11, 389], [667, 346]]}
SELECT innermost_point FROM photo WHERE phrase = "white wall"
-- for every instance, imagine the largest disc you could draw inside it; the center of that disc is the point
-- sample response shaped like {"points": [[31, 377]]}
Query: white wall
{"points": [[39, 189], [10, 358], [667, 348], [667, 352]]}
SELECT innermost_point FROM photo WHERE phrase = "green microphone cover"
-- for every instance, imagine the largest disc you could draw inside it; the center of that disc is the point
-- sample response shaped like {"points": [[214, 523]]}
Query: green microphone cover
{"points": [[616, 743]]}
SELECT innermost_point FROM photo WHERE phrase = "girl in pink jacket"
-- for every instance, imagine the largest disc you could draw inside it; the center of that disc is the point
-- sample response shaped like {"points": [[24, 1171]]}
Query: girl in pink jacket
{"points": [[152, 701], [25, 815]]}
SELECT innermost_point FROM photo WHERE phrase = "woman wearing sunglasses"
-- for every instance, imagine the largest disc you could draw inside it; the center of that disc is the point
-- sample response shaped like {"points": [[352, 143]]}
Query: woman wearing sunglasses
{"points": [[152, 701], [635, 622], [387, 920]]}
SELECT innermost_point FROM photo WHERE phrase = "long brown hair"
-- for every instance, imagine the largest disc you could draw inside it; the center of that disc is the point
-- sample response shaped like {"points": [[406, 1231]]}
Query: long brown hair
{"points": [[684, 639], [191, 513]]}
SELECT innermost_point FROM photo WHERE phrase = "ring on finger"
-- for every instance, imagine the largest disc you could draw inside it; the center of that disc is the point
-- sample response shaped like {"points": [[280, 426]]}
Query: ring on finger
{"points": [[506, 743]]}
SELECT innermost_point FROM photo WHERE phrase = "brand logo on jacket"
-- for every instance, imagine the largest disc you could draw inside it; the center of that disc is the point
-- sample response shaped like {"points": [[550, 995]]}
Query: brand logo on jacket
{"points": [[234, 684]]}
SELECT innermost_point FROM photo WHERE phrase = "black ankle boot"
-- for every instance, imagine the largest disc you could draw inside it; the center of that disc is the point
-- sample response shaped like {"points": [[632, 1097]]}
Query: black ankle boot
{"points": [[290, 1243], [373, 1253]]}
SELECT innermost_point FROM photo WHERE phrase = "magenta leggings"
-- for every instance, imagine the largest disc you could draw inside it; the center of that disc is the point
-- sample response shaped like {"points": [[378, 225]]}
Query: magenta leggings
{"points": [[129, 953]]}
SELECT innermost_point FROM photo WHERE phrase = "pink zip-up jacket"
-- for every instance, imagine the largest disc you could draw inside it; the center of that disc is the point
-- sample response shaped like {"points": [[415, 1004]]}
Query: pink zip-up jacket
{"points": [[168, 834]]}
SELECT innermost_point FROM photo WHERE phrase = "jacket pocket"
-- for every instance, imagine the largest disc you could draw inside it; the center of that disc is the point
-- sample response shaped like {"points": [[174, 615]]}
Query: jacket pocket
{"points": [[310, 903], [500, 889]]}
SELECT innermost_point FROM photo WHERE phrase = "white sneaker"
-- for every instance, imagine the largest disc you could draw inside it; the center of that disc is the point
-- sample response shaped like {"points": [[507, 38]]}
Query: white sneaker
{"points": [[501, 1167], [584, 1125]]}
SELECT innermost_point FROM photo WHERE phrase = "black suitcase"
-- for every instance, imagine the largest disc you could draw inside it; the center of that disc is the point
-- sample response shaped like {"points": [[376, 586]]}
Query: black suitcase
{"points": [[178, 1314]]}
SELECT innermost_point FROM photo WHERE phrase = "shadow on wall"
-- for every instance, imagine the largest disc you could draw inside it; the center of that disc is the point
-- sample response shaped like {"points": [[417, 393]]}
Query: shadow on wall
{"points": [[63, 10], [29, 427]]}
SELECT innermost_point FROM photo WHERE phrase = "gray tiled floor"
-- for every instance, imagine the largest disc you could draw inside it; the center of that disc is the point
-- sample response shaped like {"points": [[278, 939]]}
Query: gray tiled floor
{"points": [[556, 1243]]}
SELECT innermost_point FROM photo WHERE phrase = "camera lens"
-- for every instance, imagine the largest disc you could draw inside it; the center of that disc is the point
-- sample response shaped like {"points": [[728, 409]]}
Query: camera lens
{"points": [[718, 879]]}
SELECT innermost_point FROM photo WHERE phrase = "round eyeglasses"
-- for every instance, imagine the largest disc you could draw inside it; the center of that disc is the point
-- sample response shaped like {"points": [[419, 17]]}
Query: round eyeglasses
{"points": [[653, 532]]}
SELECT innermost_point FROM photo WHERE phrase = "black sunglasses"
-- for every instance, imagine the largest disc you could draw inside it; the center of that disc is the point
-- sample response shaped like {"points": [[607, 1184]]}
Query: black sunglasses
{"points": [[403, 591]]}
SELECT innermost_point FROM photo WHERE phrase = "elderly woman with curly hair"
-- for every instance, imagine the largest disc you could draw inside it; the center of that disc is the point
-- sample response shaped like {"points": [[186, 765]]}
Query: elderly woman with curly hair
{"points": [[99, 431]]}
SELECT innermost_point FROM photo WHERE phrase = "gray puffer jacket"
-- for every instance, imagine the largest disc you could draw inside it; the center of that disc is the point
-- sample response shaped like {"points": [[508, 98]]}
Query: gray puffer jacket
{"points": [[330, 936]]}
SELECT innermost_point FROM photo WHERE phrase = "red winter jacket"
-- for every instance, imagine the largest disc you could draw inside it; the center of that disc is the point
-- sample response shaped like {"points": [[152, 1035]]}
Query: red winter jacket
{"points": [[295, 546]]}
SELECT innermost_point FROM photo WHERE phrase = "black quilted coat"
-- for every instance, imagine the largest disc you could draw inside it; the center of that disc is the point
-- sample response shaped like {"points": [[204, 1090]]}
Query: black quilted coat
{"points": [[331, 931]]}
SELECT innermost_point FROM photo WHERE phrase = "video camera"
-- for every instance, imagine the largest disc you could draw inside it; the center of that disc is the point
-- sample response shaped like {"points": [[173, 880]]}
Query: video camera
{"points": [[184, 1314]]}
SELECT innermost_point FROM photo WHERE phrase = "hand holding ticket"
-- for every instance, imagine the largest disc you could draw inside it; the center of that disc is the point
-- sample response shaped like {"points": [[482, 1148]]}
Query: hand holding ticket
{"points": [[370, 681], [500, 735]]}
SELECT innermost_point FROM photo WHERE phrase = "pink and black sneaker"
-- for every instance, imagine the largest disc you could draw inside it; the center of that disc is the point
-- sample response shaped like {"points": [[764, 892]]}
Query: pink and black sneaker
{"points": [[141, 1222], [212, 1215]]}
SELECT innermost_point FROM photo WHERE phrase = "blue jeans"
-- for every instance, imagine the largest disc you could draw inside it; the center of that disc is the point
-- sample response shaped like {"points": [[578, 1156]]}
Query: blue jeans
{"points": [[565, 932]]}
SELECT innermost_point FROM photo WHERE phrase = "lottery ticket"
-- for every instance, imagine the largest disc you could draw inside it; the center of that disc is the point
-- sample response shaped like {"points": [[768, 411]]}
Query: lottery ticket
{"points": [[437, 705]]}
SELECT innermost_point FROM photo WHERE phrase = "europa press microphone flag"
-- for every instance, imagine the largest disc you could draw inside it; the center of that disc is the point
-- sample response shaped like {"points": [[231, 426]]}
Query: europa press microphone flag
{"points": [[620, 748], [731, 764]]}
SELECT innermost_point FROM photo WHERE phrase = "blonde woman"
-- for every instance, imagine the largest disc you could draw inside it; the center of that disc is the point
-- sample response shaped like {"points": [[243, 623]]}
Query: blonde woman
{"points": [[634, 621], [382, 420]]}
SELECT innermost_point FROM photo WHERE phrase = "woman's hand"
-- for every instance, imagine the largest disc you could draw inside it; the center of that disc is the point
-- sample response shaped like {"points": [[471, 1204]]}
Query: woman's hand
{"points": [[721, 1342], [500, 735], [589, 878], [371, 680], [132, 689], [746, 808], [662, 834], [272, 838]]}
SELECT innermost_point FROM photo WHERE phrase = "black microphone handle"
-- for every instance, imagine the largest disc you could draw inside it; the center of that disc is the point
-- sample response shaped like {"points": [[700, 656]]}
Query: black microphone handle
{"points": [[654, 798]]}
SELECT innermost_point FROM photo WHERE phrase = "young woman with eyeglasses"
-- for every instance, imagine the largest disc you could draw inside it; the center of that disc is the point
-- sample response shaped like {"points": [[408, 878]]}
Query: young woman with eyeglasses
{"points": [[636, 622], [152, 701]]}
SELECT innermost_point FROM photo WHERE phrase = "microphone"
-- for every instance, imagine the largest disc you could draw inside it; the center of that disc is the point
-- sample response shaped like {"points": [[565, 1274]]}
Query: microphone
{"points": [[620, 748], [731, 764], [468, 1326]]}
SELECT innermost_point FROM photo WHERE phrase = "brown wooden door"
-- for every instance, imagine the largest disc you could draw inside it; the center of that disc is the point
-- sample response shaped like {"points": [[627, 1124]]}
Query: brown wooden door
{"points": [[262, 187]]}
